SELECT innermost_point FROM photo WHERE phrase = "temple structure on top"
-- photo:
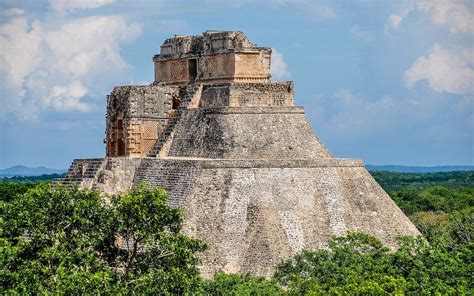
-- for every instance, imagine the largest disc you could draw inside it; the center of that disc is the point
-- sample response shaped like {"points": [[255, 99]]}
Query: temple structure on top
{"points": [[216, 56], [216, 69], [234, 152]]}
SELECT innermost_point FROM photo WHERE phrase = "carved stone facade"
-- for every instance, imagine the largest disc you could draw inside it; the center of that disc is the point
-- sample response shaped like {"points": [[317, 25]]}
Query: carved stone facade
{"points": [[135, 116], [216, 56], [232, 150]]}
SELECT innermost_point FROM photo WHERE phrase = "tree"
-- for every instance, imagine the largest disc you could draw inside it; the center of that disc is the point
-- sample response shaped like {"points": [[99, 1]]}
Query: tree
{"points": [[234, 284], [358, 264], [8, 190], [68, 241]]}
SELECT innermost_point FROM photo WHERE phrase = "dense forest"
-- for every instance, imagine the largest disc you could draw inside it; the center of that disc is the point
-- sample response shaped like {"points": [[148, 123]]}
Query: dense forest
{"points": [[391, 181], [63, 241]]}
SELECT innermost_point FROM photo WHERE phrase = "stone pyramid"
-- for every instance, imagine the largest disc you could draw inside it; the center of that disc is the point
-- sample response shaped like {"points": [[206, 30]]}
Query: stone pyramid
{"points": [[237, 156]]}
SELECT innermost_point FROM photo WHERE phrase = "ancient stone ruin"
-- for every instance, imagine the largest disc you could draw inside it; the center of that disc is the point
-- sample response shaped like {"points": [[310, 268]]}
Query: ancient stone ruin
{"points": [[236, 154]]}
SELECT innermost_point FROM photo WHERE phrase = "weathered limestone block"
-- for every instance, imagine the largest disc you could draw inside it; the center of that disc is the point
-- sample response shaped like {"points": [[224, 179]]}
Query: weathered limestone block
{"points": [[135, 116], [246, 133], [272, 94], [253, 214], [215, 56], [117, 175]]}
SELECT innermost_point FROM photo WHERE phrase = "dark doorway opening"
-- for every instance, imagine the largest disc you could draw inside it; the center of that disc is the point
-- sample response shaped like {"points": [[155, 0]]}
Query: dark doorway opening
{"points": [[176, 103], [120, 138], [192, 69]]}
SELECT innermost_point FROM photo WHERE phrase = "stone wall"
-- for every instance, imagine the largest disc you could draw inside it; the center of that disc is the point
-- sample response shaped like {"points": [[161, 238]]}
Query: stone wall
{"points": [[212, 57], [252, 66], [223, 67], [269, 94], [117, 175], [176, 177], [175, 71], [135, 117], [209, 42], [255, 213], [111, 175], [246, 133]]}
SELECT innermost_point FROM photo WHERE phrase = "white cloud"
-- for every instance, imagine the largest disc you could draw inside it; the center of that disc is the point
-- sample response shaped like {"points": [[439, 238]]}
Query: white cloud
{"points": [[345, 114], [65, 6], [395, 20], [450, 70], [67, 97], [56, 67], [364, 36], [349, 114], [279, 69], [457, 15], [12, 12]]}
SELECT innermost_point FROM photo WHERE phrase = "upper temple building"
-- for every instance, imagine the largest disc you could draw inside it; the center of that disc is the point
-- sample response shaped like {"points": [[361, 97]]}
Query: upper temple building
{"points": [[216, 56], [217, 69], [234, 152]]}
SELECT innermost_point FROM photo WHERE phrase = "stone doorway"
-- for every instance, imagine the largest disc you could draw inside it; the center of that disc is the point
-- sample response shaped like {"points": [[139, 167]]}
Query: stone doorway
{"points": [[120, 138], [192, 69], [175, 103]]}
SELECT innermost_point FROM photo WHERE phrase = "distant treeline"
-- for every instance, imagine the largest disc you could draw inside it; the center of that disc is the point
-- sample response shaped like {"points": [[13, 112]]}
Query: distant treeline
{"points": [[30, 179], [390, 181], [393, 181]]}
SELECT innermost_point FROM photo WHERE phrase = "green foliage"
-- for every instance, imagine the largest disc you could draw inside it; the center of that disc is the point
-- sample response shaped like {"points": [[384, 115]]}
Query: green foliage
{"points": [[444, 216], [233, 284], [9, 190], [434, 199], [66, 241], [453, 230], [359, 265], [394, 181]]}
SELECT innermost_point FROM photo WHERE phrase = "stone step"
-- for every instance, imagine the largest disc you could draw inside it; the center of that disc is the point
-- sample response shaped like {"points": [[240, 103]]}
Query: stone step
{"points": [[80, 170], [75, 165], [89, 168], [172, 122], [90, 164]]}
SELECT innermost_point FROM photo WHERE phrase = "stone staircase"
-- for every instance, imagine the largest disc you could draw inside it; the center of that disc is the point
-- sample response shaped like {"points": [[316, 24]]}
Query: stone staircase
{"points": [[188, 94], [82, 172]]}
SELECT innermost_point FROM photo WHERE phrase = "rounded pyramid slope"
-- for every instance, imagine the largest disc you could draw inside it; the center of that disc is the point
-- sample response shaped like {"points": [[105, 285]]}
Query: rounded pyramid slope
{"points": [[255, 214], [257, 186], [246, 133]]}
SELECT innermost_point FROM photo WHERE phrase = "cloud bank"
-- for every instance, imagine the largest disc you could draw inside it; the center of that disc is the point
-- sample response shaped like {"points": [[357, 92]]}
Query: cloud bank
{"points": [[446, 67], [66, 6], [59, 66], [456, 15], [450, 70]]}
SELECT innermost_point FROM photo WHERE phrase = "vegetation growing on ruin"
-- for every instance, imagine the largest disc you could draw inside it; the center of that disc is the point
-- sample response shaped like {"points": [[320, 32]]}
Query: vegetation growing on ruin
{"points": [[65, 241]]}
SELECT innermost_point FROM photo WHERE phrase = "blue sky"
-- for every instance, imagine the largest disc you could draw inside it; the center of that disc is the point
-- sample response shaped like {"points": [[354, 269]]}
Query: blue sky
{"points": [[389, 82]]}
